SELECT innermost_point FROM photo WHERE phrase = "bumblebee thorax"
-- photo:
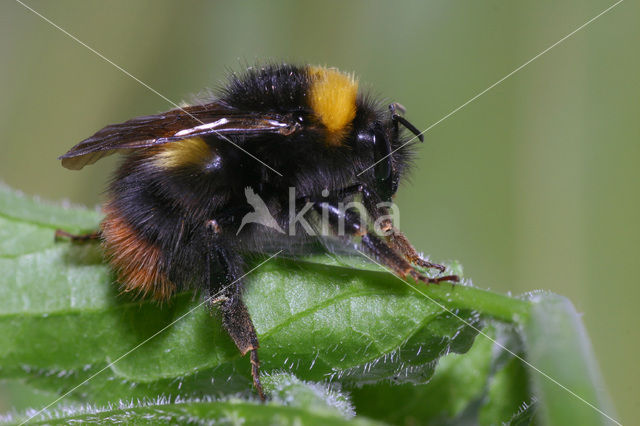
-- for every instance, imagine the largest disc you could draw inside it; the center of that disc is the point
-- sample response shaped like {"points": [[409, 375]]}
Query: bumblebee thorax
{"points": [[332, 97]]}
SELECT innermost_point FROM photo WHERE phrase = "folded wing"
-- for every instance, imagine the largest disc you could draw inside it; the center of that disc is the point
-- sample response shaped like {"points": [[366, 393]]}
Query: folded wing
{"points": [[216, 119]]}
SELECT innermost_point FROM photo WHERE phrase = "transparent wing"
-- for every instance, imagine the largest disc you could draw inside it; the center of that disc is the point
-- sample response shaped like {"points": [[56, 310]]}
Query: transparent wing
{"points": [[142, 132]]}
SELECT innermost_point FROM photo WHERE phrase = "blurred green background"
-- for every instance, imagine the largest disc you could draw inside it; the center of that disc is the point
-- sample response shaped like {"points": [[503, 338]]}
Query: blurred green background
{"points": [[534, 185]]}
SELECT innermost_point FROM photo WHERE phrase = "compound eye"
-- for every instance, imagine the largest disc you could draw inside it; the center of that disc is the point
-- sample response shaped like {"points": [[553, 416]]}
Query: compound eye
{"points": [[376, 140], [382, 156]]}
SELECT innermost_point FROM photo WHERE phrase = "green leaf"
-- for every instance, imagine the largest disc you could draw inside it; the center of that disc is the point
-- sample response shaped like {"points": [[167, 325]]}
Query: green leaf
{"points": [[18, 208], [568, 383], [65, 330], [508, 396], [546, 375], [61, 321], [295, 403], [474, 388], [287, 389]]}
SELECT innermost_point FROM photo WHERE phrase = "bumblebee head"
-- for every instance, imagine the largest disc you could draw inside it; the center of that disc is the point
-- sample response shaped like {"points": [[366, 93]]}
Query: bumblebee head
{"points": [[333, 98], [383, 138]]}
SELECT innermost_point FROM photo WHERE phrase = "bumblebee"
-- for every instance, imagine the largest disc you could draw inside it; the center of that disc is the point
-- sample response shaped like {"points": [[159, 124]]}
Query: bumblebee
{"points": [[177, 208]]}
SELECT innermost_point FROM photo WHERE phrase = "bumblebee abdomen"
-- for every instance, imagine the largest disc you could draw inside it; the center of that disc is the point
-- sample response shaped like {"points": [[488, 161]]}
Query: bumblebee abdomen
{"points": [[138, 263], [159, 202]]}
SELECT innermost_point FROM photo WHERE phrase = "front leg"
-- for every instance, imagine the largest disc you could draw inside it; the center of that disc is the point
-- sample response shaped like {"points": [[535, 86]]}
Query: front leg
{"points": [[235, 316], [379, 249], [395, 239], [402, 244]]}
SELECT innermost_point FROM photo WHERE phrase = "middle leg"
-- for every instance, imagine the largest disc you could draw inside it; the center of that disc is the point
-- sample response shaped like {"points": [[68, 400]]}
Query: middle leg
{"points": [[235, 316]]}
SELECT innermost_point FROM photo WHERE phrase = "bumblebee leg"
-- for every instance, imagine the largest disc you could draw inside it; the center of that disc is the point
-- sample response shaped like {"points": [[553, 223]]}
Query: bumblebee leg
{"points": [[401, 243], [379, 249], [235, 316], [237, 322], [390, 258], [395, 239], [77, 238]]}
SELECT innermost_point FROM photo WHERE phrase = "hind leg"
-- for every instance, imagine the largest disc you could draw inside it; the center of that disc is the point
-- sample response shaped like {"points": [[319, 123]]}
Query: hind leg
{"points": [[77, 238]]}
